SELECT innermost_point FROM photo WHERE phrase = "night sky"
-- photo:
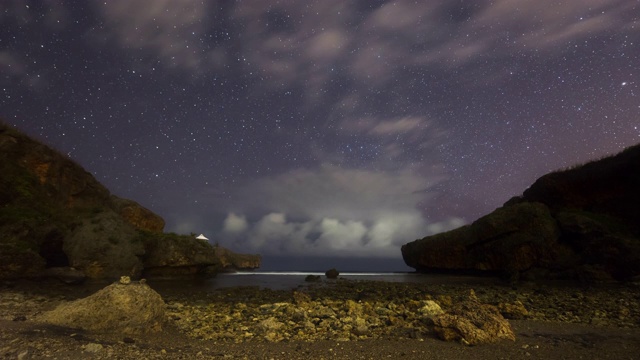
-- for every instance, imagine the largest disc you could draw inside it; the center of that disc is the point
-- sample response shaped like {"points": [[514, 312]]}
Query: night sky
{"points": [[327, 129]]}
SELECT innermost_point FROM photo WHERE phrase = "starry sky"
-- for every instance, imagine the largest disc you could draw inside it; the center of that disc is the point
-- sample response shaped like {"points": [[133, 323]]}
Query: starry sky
{"points": [[322, 132]]}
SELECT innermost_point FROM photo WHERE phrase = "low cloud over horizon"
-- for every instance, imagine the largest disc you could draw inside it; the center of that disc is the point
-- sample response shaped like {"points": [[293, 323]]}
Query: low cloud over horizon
{"points": [[332, 211]]}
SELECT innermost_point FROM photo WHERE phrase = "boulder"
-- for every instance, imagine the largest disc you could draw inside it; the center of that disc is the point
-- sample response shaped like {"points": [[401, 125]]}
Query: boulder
{"points": [[332, 273], [513, 311], [472, 323], [131, 309]]}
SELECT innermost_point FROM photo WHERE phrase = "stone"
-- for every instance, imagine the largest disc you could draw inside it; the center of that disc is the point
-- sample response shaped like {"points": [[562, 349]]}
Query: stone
{"points": [[300, 298], [513, 311], [332, 273], [270, 324], [360, 328], [126, 309], [23, 355], [430, 308], [473, 323], [93, 347]]}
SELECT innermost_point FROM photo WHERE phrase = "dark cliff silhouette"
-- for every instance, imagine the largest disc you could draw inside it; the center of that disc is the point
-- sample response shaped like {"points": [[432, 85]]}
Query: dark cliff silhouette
{"points": [[582, 223]]}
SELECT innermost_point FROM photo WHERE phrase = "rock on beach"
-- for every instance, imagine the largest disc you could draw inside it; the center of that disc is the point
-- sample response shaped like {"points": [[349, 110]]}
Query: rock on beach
{"points": [[124, 307], [473, 323]]}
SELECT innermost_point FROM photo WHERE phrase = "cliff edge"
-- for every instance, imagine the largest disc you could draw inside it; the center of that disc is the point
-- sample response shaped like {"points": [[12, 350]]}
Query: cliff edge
{"points": [[582, 223]]}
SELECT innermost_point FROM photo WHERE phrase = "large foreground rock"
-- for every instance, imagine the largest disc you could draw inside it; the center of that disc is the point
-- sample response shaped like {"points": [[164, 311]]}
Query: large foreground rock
{"points": [[127, 308], [580, 224], [473, 323]]}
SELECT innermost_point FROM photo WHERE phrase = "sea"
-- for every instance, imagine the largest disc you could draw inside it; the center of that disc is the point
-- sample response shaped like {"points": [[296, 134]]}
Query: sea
{"points": [[288, 280]]}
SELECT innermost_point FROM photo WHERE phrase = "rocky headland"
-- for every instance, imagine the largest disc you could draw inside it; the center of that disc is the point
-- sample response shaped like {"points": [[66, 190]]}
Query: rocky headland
{"points": [[57, 220], [580, 224]]}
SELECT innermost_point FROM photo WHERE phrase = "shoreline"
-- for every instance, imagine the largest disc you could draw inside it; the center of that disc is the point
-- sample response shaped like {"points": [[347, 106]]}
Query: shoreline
{"points": [[598, 321]]}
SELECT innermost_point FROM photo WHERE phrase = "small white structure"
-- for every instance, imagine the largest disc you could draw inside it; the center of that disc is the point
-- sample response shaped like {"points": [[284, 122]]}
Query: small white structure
{"points": [[202, 237]]}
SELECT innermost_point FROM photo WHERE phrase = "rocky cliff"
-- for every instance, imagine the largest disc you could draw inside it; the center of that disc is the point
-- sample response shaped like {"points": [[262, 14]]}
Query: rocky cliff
{"points": [[582, 223], [55, 214]]}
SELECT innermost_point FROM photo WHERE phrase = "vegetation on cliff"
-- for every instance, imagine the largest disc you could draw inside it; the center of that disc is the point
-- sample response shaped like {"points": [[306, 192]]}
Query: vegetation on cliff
{"points": [[580, 223], [53, 213]]}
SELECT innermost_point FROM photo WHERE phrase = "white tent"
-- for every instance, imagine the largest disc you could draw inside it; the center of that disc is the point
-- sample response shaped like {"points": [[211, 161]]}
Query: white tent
{"points": [[202, 237]]}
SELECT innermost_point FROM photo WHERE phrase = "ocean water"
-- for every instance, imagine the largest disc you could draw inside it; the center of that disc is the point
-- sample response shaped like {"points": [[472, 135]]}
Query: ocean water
{"points": [[280, 280], [288, 280]]}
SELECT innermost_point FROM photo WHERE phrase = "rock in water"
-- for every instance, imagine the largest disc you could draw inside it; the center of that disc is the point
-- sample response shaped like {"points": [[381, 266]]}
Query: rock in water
{"points": [[128, 309], [473, 323], [332, 274]]}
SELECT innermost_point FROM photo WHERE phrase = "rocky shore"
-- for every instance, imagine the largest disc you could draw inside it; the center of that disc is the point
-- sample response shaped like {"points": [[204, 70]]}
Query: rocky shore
{"points": [[333, 319]]}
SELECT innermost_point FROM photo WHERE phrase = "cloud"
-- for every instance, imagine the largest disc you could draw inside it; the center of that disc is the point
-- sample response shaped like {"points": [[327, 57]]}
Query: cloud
{"points": [[338, 235], [330, 190], [234, 224], [331, 211], [275, 234], [384, 127], [170, 29], [313, 46]]}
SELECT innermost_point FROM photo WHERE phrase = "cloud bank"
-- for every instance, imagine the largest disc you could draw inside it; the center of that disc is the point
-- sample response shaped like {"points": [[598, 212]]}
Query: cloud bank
{"points": [[332, 211]]}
